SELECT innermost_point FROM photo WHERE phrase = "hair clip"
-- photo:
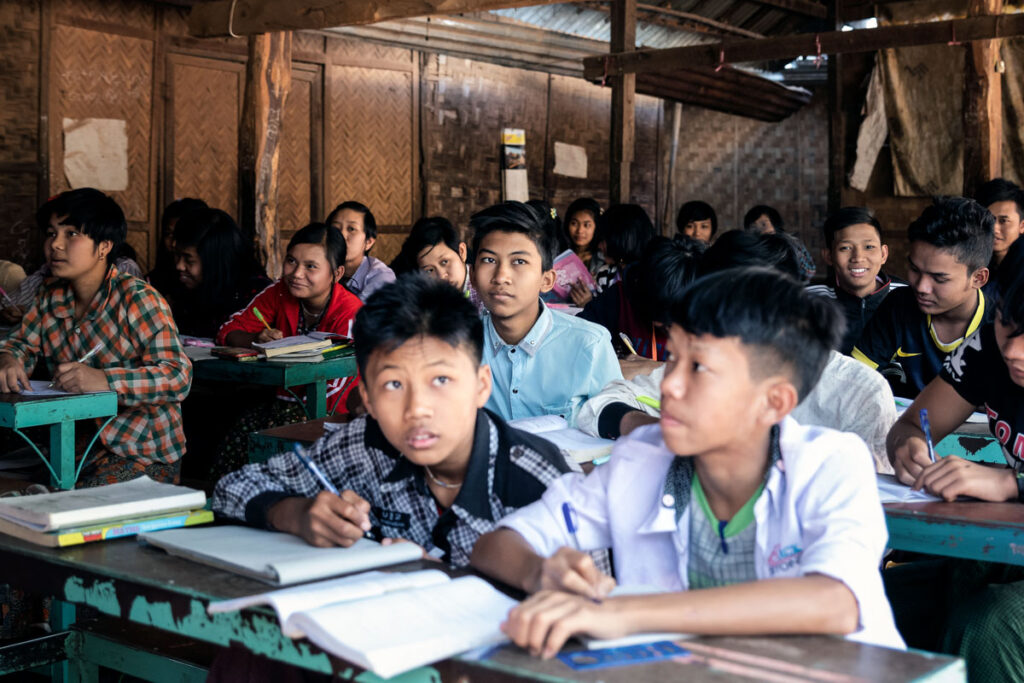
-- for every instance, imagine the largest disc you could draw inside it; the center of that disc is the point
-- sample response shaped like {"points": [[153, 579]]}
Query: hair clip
{"points": [[554, 212]]}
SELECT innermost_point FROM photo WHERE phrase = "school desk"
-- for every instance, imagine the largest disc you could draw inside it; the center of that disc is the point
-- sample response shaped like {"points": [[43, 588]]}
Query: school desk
{"points": [[267, 443], [143, 586], [277, 374], [59, 413], [972, 441], [993, 532]]}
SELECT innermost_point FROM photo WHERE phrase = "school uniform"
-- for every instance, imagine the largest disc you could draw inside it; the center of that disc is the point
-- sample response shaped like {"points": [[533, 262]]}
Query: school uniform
{"points": [[900, 341], [507, 469], [371, 275], [858, 310], [553, 370], [818, 513]]}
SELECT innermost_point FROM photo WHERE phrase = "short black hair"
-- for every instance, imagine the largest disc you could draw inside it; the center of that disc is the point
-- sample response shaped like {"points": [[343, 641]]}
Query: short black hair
{"points": [[961, 225], [584, 205], [1010, 289], [369, 222], [1001, 190], [327, 237], [661, 276], [626, 230], [791, 329], [516, 217], [426, 232], [847, 216], [696, 211], [416, 305], [223, 251], [737, 248], [178, 208], [755, 212], [90, 211]]}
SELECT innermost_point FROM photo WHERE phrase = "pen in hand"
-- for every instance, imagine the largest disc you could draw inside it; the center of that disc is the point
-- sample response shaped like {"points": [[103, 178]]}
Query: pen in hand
{"points": [[927, 429], [572, 525], [92, 352], [372, 534]]}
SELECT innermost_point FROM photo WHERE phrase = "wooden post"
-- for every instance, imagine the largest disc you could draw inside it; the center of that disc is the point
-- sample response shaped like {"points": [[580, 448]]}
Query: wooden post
{"points": [[623, 120], [983, 105], [268, 78]]}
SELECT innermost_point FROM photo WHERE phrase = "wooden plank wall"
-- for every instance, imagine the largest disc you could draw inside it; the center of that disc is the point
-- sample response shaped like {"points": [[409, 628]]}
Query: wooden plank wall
{"points": [[408, 133]]}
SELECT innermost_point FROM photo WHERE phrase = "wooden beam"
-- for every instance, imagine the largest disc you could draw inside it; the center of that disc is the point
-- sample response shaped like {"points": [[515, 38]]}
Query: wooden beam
{"points": [[982, 105], [247, 17], [623, 115], [806, 7], [791, 47], [268, 78]]}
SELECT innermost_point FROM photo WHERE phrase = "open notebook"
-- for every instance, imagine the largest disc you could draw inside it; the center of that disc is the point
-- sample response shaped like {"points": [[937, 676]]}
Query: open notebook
{"points": [[389, 623], [890, 490], [580, 446], [274, 557]]}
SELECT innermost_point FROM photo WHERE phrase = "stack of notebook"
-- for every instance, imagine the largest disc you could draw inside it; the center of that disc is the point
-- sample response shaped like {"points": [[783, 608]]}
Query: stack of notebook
{"points": [[101, 513], [310, 348]]}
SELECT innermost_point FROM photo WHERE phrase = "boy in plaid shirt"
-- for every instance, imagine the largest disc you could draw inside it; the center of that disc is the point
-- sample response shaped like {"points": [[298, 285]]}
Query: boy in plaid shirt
{"points": [[90, 305]]}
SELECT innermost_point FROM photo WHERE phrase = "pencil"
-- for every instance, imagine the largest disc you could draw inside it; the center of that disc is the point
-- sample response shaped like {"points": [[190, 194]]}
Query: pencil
{"points": [[10, 302], [259, 316], [92, 352], [629, 345]]}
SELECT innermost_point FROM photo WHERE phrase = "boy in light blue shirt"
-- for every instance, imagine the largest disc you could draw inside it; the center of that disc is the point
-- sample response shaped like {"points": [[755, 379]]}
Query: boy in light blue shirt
{"points": [[543, 362]]}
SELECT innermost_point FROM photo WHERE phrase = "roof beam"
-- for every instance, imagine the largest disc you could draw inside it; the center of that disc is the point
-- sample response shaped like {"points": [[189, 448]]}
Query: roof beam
{"points": [[806, 7], [246, 17], [791, 47]]}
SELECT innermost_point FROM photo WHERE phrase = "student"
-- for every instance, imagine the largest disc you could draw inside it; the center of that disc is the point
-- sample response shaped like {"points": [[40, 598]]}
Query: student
{"points": [[698, 220], [855, 252], [633, 306], [966, 608], [1005, 201], [86, 307], [766, 219], [428, 464], [363, 274], [216, 270], [849, 396], [307, 298], [435, 248], [624, 230], [543, 362], [755, 496], [916, 326], [165, 275], [581, 231]]}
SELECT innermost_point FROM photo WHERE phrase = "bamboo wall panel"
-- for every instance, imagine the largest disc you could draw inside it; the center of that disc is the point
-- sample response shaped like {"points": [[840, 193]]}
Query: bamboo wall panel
{"points": [[352, 51], [580, 115], [128, 13], [295, 177], [101, 75], [370, 141], [205, 117]]}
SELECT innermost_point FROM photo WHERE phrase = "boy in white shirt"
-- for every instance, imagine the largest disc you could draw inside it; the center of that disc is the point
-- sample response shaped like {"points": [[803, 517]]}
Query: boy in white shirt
{"points": [[771, 499]]}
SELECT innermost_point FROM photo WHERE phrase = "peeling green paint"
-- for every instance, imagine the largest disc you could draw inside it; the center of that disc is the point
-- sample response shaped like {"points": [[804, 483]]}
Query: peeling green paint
{"points": [[101, 595]]}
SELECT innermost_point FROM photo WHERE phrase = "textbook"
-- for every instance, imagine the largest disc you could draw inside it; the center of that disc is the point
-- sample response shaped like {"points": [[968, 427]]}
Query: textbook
{"points": [[276, 558], [570, 269], [235, 353], [389, 623], [106, 531], [94, 506], [580, 446], [293, 344]]}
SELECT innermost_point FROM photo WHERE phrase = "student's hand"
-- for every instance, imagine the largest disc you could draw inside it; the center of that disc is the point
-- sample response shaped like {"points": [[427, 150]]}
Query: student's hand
{"points": [[13, 378], [543, 622], [79, 378], [635, 419], [580, 294], [325, 521], [12, 315], [572, 571], [266, 335], [952, 476], [633, 365], [393, 541], [910, 458]]}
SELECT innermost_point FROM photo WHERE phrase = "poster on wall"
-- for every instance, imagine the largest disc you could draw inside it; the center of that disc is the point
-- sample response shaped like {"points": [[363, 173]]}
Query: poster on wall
{"points": [[96, 153], [513, 165], [570, 160]]}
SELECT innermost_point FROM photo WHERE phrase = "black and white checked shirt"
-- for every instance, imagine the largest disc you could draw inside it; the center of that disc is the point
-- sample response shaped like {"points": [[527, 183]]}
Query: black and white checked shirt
{"points": [[507, 469]]}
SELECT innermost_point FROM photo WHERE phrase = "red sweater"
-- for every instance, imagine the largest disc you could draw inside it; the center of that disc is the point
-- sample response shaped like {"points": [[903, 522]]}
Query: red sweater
{"points": [[281, 310]]}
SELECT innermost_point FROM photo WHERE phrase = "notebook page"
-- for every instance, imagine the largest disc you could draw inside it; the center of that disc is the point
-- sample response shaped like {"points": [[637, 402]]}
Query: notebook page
{"points": [[540, 424], [890, 490], [396, 632], [285, 342], [290, 601]]}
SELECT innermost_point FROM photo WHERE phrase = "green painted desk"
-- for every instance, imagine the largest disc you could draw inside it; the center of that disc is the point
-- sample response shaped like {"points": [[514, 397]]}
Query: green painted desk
{"points": [[141, 585], [972, 530], [277, 374], [20, 411], [972, 442], [267, 443]]}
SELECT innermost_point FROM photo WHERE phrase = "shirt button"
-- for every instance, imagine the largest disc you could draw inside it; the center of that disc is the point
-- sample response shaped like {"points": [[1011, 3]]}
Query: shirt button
{"points": [[515, 391], [513, 350], [668, 500]]}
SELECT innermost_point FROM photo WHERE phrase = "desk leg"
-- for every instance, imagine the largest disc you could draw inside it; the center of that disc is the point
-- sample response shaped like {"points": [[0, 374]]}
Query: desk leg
{"points": [[316, 400], [62, 453], [62, 616]]}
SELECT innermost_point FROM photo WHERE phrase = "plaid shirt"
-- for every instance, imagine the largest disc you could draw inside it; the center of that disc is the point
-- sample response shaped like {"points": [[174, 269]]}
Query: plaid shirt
{"points": [[507, 470], [140, 354]]}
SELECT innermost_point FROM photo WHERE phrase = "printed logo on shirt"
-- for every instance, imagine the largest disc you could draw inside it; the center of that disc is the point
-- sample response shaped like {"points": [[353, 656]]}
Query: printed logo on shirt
{"points": [[900, 353], [954, 363], [393, 518], [783, 559]]}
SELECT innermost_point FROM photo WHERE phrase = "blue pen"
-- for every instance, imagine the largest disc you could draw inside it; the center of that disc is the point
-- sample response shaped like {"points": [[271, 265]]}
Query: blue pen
{"points": [[927, 429], [300, 453], [572, 524]]}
